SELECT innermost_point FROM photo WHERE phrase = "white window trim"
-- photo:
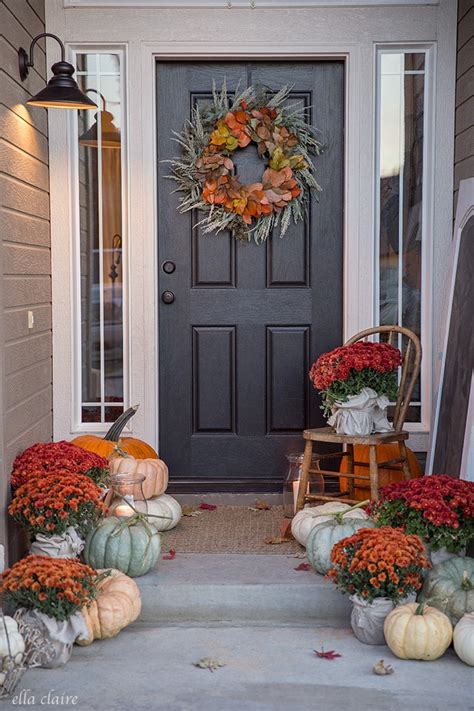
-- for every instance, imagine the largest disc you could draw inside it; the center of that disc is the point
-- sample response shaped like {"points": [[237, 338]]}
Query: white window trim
{"points": [[426, 219], [353, 34], [78, 426]]}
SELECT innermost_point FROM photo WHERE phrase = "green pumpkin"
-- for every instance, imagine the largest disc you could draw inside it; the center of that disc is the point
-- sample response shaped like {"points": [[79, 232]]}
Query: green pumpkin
{"points": [[449, 586], [323, 537], [132, 547]]}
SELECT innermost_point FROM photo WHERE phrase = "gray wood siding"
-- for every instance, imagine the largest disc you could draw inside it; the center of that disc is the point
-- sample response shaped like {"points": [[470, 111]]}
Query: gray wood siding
{"points": [[26, 383], [464, 140]]}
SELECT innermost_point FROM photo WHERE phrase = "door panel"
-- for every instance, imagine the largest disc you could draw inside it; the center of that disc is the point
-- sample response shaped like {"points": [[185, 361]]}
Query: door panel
{"points": [[236, 344]]}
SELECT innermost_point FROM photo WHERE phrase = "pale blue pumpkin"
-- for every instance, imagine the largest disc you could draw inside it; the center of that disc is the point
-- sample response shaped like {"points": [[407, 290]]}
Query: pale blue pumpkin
{"points": [[323, 537], [132, 546]]}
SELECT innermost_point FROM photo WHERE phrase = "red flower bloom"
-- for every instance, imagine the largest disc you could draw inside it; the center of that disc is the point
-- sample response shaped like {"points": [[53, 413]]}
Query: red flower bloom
{"points": [[46, 457]]}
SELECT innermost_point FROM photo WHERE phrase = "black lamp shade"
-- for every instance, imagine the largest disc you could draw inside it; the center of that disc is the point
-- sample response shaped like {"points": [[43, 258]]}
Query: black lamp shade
{"points": [[62, 91], [109, 135]]}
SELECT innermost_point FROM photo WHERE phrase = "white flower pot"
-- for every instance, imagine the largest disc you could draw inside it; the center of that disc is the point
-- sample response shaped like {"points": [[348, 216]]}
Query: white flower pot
{"points": [[367, 618], [59, 636], [361, 414], [67, 545]]}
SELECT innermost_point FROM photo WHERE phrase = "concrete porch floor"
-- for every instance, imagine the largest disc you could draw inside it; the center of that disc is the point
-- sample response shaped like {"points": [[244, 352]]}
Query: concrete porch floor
{"points": [[263, 620], [268, 668]]}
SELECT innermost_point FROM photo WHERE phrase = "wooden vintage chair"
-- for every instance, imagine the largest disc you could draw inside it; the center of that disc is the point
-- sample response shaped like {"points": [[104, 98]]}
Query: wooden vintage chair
{"points": [[411, 350]]}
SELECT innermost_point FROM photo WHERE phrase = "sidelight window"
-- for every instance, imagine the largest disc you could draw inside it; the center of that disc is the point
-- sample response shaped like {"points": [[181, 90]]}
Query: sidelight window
{"points": [[401, 198], [101, 388]]}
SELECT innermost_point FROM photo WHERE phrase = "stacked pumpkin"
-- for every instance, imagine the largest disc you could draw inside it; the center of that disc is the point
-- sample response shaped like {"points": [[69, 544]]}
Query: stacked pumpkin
{"points": [[318, 528]]}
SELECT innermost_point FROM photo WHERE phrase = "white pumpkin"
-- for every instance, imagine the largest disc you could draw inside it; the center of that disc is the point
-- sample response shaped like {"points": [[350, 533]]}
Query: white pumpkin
{"points": [[307, 518], [463, 639], [164, 505], [13, 644]]}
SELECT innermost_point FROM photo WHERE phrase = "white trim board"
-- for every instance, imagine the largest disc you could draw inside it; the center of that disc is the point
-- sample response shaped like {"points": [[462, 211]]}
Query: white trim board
{"points": [[327, 32]]}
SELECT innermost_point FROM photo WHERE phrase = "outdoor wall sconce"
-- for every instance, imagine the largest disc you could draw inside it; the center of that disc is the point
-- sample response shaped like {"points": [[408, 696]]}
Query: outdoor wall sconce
{"points": [[61, 91], [109, 133]]}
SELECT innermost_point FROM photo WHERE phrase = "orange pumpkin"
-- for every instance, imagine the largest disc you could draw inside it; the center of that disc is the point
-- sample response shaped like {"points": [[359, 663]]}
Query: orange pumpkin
{"points": [[105, 446], [385, 452]]}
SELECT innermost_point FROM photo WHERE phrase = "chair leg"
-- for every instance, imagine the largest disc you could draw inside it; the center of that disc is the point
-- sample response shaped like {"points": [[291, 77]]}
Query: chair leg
{"points": [[405, 464], [303, 487], [374, 473], [350, 468]]}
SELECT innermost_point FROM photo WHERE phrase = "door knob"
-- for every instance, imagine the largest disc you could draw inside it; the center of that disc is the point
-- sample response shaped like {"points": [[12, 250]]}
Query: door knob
{"points": [[167, 297]]}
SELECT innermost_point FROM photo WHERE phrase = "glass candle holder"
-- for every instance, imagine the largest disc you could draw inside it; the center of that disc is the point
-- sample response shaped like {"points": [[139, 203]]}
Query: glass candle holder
{"points": [[292, 482], [128, 497]]}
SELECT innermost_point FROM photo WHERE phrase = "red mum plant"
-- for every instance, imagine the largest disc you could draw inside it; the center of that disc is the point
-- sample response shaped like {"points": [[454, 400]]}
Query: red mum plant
{"points": [[379, 562], [346, 370], [46, 457], [58, 587], [438, 508], [51, 503]]}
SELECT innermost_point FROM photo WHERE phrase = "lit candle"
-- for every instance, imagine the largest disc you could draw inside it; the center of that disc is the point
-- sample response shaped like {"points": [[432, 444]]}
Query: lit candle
{"points": [[123, 510]]}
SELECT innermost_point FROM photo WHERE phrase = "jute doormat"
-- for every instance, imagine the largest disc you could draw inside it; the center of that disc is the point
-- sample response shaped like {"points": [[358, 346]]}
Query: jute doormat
{"points": [[230, 529]]}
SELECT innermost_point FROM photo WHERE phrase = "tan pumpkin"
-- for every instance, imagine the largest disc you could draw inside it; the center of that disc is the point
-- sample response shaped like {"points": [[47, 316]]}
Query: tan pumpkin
{"points": [[385, 452], [305, 520], [417, 631], [155, 472], [117, 605]]}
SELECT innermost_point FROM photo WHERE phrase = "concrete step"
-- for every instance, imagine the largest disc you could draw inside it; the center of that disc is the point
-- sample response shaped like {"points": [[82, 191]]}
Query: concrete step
{"points": [[239, 588]]}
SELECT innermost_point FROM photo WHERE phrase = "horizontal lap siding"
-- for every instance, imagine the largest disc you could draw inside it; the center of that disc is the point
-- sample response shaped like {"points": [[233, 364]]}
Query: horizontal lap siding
{"points": [[26, 385], [464, 146]]}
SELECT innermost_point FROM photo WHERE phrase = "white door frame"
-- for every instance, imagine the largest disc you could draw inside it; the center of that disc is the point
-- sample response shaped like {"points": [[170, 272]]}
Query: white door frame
{"points": [[349, 33]]}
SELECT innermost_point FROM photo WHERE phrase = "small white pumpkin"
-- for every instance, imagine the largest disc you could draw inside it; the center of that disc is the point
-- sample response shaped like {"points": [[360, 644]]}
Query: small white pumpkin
{"points": [[307, 518], [14, 639], [463, 639], [164, 505], [417, 631]]}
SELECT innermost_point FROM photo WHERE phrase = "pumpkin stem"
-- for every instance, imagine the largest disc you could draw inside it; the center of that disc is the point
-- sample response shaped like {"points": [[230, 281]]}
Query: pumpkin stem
{"points": [[339, 515], [466, 583], [420, 610], [121, 452], [102, 576], [113, 435]]}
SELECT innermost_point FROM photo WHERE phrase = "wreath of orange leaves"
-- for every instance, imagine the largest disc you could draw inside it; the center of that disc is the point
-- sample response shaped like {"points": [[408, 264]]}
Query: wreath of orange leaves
{"points": [[207, 176]]}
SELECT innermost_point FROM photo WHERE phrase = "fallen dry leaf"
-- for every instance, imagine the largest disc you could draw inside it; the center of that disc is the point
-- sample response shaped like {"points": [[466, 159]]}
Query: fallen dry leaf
{"points": [[191, 511], [382, 669], [276, 540], [262, 505], [207, 507], [208, 663], [285, 535], [171, 555], [331, 654], [303, 566]]}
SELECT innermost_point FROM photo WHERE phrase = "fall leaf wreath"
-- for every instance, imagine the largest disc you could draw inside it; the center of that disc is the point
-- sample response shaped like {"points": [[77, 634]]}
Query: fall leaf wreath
{"points": [[206, 173]]}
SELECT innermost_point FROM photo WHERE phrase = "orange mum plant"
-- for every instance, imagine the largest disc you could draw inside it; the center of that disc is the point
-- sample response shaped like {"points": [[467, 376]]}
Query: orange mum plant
{"points": [[58, 587], [51, 503], [379, 562]]}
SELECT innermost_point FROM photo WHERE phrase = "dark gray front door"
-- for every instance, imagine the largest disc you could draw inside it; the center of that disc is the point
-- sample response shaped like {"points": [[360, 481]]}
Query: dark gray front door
{"points": [[236, 343]]}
